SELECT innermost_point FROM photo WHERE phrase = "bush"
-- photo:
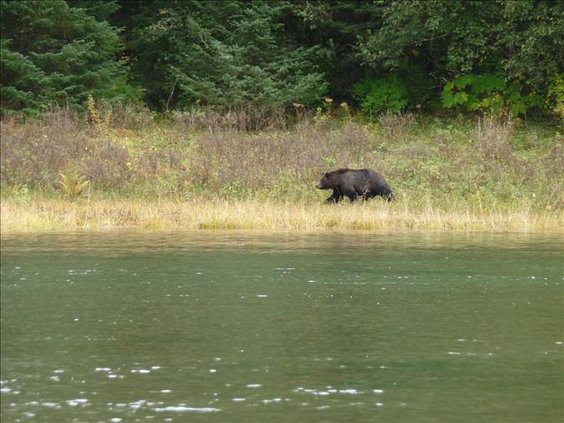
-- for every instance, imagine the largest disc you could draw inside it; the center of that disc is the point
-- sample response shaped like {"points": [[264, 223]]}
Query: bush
{"points": [[36, 152], [488, 93], [556, 95], [381, 95]]}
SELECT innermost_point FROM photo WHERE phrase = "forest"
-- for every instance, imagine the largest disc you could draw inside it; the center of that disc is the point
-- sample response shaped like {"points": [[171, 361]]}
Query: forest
{"points": [[224, 114], [278, 55]]}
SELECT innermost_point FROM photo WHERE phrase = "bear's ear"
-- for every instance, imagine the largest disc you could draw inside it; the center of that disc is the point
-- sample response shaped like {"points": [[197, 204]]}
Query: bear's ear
{"points": [[326, 174]]}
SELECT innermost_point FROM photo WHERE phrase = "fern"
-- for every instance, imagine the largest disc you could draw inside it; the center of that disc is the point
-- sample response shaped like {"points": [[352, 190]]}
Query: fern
{"points": [[73, 184]]}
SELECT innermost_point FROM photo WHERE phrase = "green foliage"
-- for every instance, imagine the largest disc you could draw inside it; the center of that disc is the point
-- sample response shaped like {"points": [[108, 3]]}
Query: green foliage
{"points": [[449, 36], [101, 10], [56, 54], [227, 55], [529, 42], [381, 95], [419, 87], [23, 83], [556, 95], [521, 41], [329, 161], [487, 93], [260, 57], [333, 27]]}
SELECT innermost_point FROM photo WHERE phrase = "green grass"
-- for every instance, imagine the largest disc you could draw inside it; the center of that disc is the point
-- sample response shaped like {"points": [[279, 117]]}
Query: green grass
{"points": [[445, 173]]}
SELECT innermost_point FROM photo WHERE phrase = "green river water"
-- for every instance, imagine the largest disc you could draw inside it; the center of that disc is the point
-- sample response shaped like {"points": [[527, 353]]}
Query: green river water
{"points": [[258, 327]]}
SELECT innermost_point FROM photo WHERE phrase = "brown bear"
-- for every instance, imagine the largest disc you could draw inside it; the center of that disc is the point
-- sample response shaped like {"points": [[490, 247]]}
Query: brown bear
{"points": [[354, 183]]}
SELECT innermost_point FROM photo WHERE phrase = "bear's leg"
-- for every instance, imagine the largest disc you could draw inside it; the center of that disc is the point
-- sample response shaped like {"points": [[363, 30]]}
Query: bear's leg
{"points": [[353, 195], [334, 198], [387, 195]]}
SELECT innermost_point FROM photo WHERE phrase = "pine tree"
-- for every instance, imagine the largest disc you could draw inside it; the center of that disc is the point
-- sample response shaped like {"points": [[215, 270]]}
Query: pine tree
{"points": [[56, 54], [228, 54]]}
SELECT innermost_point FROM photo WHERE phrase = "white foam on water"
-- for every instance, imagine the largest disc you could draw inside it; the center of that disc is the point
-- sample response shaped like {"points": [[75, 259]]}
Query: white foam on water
{"points": [[140, 371], [349, 391], [329, 391], [378, 391], [51, 404], [254, 385], [183, 408], [77, 401], [137, 404]]}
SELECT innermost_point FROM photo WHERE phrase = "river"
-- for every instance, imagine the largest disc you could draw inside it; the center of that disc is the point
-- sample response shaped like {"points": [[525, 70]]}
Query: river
{"points": [[259, 327]]}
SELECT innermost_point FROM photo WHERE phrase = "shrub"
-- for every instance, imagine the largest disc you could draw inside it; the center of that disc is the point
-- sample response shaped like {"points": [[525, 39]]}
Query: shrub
{"points": [[381, 95], [487, 93], [556, 95]]}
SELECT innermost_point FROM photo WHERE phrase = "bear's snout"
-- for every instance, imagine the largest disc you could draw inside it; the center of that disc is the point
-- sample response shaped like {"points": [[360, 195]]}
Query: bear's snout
{"points": [[318, 185]]}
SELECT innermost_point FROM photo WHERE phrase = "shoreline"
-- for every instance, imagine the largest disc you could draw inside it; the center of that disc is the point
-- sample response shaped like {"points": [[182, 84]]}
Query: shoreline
{"points": [[56, 215]]}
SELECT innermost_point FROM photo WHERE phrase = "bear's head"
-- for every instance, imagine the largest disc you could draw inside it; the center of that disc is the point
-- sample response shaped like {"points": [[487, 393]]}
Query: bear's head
{"points": [[325, 182]]}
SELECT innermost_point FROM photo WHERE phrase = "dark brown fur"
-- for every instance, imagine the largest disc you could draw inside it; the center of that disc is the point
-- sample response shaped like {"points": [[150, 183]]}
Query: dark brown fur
{"points": [[354, 183]]}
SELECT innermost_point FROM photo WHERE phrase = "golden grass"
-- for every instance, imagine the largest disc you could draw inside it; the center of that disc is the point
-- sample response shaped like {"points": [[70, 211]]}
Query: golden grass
{"points": [[42, 215]]}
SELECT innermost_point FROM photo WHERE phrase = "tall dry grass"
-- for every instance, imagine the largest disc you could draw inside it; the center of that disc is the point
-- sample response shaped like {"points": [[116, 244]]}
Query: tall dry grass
{"points": [[203, 164], [221, 214]]}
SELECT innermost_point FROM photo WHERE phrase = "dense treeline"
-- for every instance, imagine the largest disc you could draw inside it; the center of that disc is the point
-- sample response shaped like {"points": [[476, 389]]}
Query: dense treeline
{"points": [[501, 56]]}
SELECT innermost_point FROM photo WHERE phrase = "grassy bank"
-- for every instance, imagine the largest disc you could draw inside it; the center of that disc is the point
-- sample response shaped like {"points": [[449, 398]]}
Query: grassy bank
{"points": [[199, 171], [61, 215]]}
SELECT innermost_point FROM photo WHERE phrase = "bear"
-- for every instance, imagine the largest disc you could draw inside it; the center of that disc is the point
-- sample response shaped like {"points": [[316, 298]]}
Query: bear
{"points": [[354, 183]]}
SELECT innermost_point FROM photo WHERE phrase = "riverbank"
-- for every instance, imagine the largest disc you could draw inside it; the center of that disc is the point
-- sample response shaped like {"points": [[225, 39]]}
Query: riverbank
{"points": [[63, 171], [46, 215]]}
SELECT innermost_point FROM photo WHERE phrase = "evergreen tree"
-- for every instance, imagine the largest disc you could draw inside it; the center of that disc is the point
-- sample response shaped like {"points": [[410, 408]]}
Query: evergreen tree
{"points": [[56, 54], [334, 27], [228, 54], [266, 54]]}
